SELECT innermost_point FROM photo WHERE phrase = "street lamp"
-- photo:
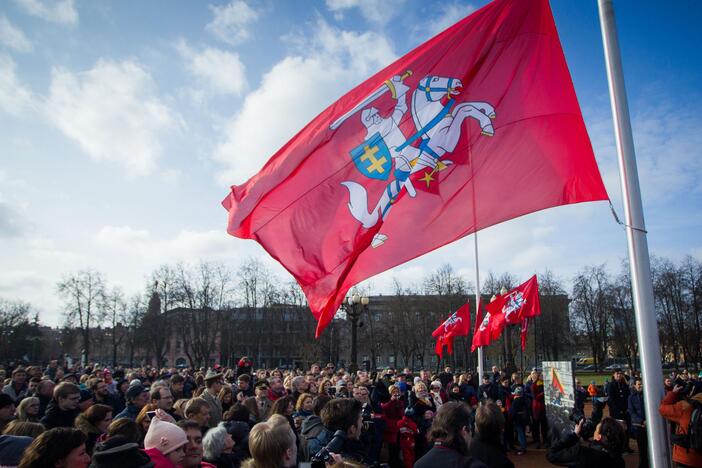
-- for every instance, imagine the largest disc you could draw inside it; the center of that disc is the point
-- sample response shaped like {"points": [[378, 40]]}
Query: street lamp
{"points": [[354, 306]]}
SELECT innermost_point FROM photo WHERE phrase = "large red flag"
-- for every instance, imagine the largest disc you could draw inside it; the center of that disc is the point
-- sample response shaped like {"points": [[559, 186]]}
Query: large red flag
{"points": [[518, 303], [476, 126], [457, 324], [488, 328]]}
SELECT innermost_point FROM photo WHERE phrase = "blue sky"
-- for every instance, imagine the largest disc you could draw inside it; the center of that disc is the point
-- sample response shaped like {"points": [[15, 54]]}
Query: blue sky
{"points": [[122, 124]]}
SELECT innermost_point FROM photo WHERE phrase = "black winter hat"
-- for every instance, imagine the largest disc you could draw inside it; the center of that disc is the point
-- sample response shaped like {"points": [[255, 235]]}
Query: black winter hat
{"points": [[118, 452]]}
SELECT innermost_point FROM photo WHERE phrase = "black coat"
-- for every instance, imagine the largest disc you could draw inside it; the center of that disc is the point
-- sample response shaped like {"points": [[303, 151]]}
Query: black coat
{"points": [[445, 457], [572, 453], [488, 391], [618, 393], [56, 417], [490, 452]]}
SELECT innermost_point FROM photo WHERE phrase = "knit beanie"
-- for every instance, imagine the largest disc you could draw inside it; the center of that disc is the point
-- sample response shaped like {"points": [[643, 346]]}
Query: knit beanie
{"points": [[164, 436]]}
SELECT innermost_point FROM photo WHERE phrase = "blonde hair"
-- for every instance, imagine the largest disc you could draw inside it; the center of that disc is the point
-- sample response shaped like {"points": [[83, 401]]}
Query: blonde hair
{"points": [[268, 442], [21, 410], [301, 400]]}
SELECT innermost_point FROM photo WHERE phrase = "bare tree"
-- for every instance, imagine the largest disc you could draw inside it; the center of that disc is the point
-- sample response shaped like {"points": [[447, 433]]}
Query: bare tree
{"points": [[116, 312], [83, 294], [14, 324], [591, 309]]}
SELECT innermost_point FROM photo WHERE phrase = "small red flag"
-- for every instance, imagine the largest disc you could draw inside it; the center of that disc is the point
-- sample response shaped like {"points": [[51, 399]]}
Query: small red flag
{"points": [[458, 324], [524, 332], [518, 303], [488, 328], [392, 170]]}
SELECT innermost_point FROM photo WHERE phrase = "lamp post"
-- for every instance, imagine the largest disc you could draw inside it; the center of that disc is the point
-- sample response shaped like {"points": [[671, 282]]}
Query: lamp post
{"points": [[354, 306]]}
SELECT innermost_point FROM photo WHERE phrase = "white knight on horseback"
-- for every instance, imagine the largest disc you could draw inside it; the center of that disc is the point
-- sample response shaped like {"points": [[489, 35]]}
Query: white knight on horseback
{"points": [[437, 119]]}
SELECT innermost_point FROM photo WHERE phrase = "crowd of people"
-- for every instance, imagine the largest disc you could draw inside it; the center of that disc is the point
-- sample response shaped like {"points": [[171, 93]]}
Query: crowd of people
{"points": [[323, 416]]}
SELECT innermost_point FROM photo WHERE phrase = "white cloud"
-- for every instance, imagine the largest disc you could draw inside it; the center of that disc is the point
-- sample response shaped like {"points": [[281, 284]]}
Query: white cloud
{"points": [[372, 10], [230, 23], [220, 71], [15, 98], [294, 91], [448, 14], [55, 11], [113, 112], [13, 37], [186, 246]]}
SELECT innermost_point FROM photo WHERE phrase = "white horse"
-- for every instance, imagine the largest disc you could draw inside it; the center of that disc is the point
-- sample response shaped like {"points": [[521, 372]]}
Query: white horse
{"points": [[438, 128]]}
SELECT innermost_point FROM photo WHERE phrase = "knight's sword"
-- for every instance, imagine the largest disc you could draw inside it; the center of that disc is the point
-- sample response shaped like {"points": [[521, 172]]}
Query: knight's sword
{"points": [[384, 88]]}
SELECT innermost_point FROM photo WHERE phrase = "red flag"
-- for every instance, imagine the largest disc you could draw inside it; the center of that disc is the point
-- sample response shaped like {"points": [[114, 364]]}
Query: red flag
{"points": [[488, 328], [419, 155], [439, 347], [458, 324], [524, 332], [556, 381], [518, 303]]}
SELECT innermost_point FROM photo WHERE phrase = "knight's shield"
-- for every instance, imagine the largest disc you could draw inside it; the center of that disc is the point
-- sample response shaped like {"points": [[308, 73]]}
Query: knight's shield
{"points": [[372, 158]]}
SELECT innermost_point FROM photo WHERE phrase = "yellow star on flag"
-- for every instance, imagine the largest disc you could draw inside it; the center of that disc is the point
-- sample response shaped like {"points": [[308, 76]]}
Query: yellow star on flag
{"points": [[427, 178]]}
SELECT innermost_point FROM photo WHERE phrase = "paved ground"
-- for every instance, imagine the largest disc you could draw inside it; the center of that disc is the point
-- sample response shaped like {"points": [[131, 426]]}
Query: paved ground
{"points": [[537, 458]]}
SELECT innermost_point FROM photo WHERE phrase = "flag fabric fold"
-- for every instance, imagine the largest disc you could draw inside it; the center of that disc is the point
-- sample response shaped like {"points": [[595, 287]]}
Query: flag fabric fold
{"points": [[419, 155], [518, 303]]}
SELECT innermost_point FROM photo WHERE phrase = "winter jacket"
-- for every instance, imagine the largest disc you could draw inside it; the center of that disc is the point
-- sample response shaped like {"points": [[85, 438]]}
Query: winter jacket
{"points": [[519, 412], [313, 436], [12, 448], [618, 393], [56, 417], [215, 407], [538, 405], [393, 411], [569, 451], [16, 395], [447, 457], [680, 413], [490, 451], [130, 412], [488, 391], [159, 459], [636, 408], [91, 432]]}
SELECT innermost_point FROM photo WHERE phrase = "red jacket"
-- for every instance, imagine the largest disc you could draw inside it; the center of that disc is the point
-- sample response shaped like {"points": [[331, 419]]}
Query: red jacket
{"points": [[538, 404], [159, 459], [680, 412], [393, 411]]}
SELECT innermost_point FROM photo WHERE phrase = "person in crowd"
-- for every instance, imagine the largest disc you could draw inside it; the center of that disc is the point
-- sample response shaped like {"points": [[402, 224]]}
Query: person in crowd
{"points": [[119, 452], [102, 395], [127, 428], [226, 398], [24, 429], [177, 382], [12, 448], [272, 444], [217, 446], [454, 393], [449, 435], [276, 389], [28, 409], [45, 393], [605, 451], [94, 423], [86, 400], [193, 449], [244, 385], [677, 408], [63, 408], [488, 390], [7, 410], [299, 386], [198, 410], [423, 410], [342, 417], [264, 404], [638, 421], [179, 408], [438, 395], [486, 445], [313, 434], [165, 443], [303, 407], [61, 447], [393, 410], [580, 397], [161, 397], [137, 397], [446, 377], [285, 407], [213, 385], [539, 428], [17, 389], [618, 393], [519, 416]]}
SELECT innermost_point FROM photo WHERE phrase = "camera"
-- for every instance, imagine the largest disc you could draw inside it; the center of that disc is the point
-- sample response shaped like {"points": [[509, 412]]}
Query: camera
{"points": [[588, 428]]}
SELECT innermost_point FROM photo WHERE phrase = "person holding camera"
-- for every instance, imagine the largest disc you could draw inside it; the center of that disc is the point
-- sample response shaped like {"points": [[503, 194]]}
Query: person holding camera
{"points": [[678, 406], [604, 451], [449, 434], [343, 419]]}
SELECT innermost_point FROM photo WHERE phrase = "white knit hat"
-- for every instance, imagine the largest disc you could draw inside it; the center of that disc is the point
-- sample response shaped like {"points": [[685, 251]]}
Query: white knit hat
{"points": [[164, 436]]}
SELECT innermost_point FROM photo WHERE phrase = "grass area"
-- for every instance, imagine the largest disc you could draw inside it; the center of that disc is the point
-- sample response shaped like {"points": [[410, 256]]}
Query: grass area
{"points": [[599, 377]]}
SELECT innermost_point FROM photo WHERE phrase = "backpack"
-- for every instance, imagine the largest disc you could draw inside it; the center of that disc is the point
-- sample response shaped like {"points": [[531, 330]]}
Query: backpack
{"points": [[313, 438], [693, 438]]}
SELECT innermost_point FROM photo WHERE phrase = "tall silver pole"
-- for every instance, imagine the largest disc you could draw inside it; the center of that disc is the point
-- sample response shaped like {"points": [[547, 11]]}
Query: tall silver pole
{"points": [[641, 284], [477, 304]]}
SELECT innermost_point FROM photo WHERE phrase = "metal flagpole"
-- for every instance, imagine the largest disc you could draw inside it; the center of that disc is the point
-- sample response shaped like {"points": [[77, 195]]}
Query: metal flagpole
{"points": [[477, 304], [639, 261]]}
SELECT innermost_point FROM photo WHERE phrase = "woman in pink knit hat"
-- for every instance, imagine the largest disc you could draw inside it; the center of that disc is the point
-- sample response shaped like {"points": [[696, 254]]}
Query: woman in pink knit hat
{"points": [[165, 443]]}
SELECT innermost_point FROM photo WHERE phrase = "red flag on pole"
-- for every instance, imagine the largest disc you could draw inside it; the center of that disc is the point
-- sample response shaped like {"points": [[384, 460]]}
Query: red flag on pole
{"points": [[488, 328], [458, 324], [518, 303], [392, 169]]}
